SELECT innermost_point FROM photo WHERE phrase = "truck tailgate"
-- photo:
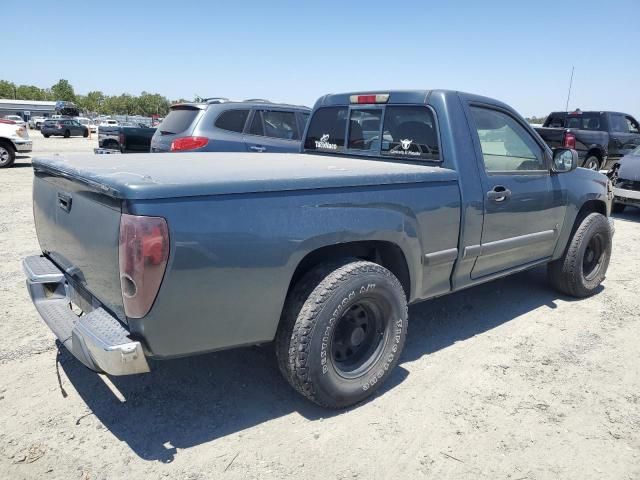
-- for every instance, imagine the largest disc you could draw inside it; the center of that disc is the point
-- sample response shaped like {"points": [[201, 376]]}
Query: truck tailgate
{"points": [[78, 229]]}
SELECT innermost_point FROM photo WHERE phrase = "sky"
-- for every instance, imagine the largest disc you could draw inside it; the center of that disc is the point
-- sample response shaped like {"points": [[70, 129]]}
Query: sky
{"points": [[520, 52]]}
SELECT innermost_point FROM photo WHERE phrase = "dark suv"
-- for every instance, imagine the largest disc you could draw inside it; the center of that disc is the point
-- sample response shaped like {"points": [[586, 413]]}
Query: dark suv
{"points": [[221, 125], [66, 127]]}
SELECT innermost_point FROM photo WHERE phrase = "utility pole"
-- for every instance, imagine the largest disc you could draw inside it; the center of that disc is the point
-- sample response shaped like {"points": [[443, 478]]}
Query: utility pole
{"points": [[566, 108]]}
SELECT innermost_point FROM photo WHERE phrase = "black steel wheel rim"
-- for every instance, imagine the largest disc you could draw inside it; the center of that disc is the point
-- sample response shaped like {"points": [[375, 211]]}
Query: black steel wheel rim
{"points": [[359, 337], [593, 256]]}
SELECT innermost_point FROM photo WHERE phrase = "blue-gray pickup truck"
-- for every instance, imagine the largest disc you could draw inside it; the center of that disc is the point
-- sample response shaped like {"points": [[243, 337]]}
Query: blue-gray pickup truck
{"points": [[396, 197]]}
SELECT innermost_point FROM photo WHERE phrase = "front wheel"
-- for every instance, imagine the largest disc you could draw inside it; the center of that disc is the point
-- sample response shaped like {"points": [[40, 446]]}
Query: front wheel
{"points": [[7, 155], [45, 135], [342, 332], [592, 163], [67, 134], [85, 134], [583, 267]]}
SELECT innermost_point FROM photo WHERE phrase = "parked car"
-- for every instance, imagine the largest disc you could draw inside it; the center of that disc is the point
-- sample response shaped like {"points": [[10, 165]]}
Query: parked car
{"points": [[126, 138], [626, 182], [318, 251], [220, 125], [66, 109], [15, 118], [87, 122], [65, 127], [14, 139], [36, 122], [601, 138]]}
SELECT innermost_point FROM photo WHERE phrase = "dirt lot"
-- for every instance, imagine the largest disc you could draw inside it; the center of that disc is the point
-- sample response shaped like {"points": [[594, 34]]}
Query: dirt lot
{"points": [[509, 380]]}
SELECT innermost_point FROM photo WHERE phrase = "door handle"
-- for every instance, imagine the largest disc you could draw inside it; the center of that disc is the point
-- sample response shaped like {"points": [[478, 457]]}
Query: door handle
{"points": [[64, 201], [256, 148], [499, 194]]}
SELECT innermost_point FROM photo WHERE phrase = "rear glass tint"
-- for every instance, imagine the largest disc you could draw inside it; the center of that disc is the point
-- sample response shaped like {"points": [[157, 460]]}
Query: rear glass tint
{"points": [[178, 120], [232, 120], [326, 130], [410, 132], [364, 129]]}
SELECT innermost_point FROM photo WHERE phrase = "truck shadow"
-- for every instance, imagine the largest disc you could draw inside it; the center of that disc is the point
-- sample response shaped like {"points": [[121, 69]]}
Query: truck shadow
{"points": [[190, 401], [630, 214]]}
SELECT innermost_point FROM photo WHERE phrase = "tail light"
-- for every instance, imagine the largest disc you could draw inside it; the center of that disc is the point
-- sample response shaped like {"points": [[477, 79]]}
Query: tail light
{"points": [[188, 143], [144, 251], [569, 140]]}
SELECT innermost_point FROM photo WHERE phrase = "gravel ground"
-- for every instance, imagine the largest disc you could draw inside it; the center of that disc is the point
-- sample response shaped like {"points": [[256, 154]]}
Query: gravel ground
{"points": [[508, 380]]}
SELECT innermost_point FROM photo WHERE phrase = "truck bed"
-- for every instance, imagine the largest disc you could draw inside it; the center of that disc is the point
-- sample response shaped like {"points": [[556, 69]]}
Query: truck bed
{"points": [[152, 176]]}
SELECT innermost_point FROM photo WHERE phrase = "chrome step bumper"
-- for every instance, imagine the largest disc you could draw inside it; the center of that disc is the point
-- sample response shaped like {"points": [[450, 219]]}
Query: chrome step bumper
{"points": [[96, 338]]}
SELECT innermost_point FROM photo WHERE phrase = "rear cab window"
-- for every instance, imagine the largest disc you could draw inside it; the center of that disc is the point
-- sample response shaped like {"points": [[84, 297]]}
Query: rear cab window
{"points": [[408, 132], [178, 120]]}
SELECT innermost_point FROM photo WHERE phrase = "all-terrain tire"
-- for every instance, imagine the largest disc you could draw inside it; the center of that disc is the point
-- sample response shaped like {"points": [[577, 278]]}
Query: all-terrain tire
{"points": [[567, 274], [7, 155], [618, 207], [315, 313]]}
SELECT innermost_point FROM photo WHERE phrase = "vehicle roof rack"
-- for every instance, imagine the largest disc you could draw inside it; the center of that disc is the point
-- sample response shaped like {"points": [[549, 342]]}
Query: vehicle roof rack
{"points": [[258, 100]]}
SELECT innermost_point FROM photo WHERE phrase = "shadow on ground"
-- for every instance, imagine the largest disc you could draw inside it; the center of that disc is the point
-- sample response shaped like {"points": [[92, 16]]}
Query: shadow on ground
{"points": [[630, 214], [190, 401]]}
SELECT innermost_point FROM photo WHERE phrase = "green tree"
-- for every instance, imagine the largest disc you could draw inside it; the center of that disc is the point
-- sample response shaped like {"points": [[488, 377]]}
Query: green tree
{"points": [[30, 92], [7, 89], [63, 91]]}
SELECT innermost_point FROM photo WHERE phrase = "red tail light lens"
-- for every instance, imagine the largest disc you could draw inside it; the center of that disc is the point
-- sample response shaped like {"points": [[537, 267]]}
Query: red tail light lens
{"points": [[370, 98], [188, 143], [144, 251], [569, 140]]}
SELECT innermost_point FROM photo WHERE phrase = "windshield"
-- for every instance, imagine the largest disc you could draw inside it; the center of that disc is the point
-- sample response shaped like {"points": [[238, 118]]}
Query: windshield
{"points": [[178, 120]]}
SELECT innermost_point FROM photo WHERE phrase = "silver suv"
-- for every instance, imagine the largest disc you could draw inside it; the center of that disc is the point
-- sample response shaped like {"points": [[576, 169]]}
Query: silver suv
{"points": [[221, 125]]}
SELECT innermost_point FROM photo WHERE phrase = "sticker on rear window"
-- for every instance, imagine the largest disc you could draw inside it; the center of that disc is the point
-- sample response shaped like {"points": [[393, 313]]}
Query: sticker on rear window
{"points": [[406, 147], [325, 144]]}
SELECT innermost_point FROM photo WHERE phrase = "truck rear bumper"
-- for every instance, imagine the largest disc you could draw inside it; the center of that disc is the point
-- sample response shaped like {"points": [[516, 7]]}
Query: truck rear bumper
{"points": [[95, 338]]}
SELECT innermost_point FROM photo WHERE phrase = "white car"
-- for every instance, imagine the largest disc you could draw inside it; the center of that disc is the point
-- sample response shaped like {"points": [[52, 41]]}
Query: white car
{"points": [[15, 118], [87, 122], [13, 138], [35, 122]]}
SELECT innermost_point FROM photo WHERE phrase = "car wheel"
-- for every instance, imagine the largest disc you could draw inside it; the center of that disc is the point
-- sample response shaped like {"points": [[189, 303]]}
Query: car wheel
{"points": [[342, 332], [67, 134], [7, 155], [618, 207], [85, 134], [45, 135], [583, 267], [592, 163]]}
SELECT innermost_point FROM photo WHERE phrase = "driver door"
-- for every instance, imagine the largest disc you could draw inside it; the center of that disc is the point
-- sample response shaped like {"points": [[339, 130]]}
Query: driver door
{"points": [[524, 204]]}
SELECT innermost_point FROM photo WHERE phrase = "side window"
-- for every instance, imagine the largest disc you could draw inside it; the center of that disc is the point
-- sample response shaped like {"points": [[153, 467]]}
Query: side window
{"points": [[327, 129], [232, 120], [618, 123], [410, 132], [364, 129], [506, 145], [632, 125], [279, 124]]}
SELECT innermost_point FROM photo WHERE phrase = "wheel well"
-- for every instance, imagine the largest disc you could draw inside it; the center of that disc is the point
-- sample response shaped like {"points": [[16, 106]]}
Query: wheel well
{"points": [[387, 254], [595, 152], [592, 206], [7, 143]]}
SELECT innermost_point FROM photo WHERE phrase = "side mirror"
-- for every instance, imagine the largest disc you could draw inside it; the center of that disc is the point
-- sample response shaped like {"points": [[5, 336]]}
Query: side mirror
{"points": [[564, 160]]}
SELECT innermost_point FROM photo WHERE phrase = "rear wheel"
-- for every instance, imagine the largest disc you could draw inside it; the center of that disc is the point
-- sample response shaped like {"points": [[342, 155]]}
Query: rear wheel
{"points": [[342, 332], [592, 163], [45, 135], [7, 155], [85, 134], [583, 267], [618, 207], [67, 134]]}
